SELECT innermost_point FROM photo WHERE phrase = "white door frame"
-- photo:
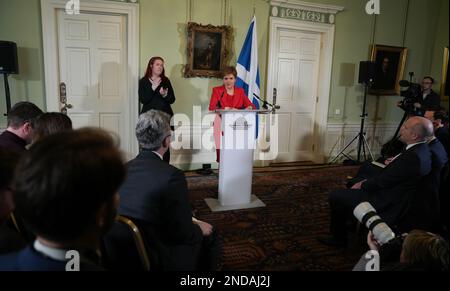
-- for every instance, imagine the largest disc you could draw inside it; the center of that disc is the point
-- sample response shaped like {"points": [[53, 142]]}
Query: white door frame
{"points": [[325, 66], [51, 64]]}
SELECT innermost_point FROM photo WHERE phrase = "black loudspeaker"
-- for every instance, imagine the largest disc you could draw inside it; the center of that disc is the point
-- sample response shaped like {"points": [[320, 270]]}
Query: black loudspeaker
{"points": [[367, 72], [9, 63]]}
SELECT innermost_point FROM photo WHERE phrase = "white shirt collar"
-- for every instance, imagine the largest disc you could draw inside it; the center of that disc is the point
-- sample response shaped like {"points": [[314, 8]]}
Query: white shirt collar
{"points": [[158, 155], [414, 144], [53, 253]]}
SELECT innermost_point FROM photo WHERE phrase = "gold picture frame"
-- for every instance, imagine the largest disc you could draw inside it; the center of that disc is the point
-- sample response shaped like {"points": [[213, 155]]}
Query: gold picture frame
{"points": [[444, 80], [390, 66], [208, 51]]}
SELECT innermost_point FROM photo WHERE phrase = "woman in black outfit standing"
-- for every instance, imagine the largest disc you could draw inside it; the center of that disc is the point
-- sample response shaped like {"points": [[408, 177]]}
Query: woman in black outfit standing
{"points": [[156, 92]]}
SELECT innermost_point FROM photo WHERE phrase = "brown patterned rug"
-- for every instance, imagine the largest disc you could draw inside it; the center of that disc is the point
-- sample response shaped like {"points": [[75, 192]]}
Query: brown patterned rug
{"points": [[281, 236]]}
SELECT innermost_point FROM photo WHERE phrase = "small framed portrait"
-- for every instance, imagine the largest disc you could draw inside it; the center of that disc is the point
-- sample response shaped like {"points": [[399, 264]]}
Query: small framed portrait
{"points": [[390, 65], [444, 81], [207, 50]]}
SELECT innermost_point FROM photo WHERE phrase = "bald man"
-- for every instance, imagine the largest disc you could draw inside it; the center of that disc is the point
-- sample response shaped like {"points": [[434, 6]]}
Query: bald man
{"points": [[392, 191]]}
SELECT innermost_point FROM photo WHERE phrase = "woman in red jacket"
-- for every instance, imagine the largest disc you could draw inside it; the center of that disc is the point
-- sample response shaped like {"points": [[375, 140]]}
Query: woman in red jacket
{"points": [[227, 97]]}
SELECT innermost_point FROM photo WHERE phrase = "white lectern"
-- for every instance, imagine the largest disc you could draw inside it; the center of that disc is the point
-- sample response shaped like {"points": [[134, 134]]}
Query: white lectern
{"points": [[236, 161]]}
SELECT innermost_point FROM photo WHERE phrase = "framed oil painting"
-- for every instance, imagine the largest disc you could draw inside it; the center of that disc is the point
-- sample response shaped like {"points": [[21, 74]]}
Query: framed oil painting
{"points": [[390, 65], [207, 50]]}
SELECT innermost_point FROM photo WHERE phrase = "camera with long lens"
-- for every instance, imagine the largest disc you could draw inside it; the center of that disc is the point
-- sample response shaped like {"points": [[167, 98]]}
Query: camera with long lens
{"points": [[390, 244], [411, 94], [367, 215]]}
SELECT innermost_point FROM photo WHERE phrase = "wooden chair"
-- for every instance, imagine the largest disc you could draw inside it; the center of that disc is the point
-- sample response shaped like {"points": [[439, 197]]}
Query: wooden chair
{"points": [[138, 239]]}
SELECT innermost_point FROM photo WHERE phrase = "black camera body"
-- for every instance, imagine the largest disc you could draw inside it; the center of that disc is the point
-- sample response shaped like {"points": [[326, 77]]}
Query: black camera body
{"points": [[410, 96], [390, 252]]}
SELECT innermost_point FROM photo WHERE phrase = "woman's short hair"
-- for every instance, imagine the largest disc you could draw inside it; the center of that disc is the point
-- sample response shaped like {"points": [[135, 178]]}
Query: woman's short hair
{"points": [[51, 123], [65, 179], [426, 250], [152, 128], [229, 71]]}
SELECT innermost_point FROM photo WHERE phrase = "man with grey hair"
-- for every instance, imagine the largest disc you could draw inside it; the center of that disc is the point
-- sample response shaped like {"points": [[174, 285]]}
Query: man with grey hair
{"points": [[392, 191], [155, 196]]}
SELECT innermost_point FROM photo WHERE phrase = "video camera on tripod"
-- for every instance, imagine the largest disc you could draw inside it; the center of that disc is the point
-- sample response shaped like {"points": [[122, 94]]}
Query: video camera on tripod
{"points": [[411, 94]]}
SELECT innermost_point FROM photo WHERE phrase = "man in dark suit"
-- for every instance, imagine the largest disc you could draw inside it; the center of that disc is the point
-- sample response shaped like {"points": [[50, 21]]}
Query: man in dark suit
{"points": [[429, 100], [424, 212], [438, 118], [66, 192], [392, 190], [19, 132], [155, 195], [440, 131]]}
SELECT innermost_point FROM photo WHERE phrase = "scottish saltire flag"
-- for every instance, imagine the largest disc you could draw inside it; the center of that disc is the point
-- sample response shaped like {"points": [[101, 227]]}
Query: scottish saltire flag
{"points": [[248, 69], [247, 65]]}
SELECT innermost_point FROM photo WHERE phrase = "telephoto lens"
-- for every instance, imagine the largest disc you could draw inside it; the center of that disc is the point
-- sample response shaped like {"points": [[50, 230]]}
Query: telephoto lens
{"points": [[367, 215]]}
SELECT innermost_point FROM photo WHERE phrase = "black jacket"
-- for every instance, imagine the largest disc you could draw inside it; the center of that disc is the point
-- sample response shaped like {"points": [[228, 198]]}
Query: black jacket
{"points": [[156, 194], [10, 141], [424, 212], [391, 191], [442, 135], [431, 102], [152, 99]]}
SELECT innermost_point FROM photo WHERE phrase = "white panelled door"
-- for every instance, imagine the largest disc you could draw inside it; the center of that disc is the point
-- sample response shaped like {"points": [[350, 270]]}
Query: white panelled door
{"points": [[296, 79], [92, 58]]}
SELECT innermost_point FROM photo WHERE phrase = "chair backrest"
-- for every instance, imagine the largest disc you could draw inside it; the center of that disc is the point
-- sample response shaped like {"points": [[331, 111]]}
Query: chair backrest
{"points": [[124, 246], [14, 222], [138, 239]]}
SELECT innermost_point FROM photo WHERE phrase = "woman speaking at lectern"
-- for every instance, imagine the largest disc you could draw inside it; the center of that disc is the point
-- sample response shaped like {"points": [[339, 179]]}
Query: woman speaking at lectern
{"points": [[227, 97]]}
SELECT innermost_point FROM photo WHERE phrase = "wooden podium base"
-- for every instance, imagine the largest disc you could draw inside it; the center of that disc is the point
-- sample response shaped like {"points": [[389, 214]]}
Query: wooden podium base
{"points": [[215, 206]]}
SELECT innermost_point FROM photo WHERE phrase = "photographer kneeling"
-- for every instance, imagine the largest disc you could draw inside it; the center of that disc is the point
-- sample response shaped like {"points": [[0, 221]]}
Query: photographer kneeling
{"points": [[416, 251]]}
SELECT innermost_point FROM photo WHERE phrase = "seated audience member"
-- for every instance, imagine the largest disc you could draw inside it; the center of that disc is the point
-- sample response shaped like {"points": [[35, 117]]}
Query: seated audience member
{"points": [[440, 131], [19, 131], [425, 208], [439, 119], [10, 239], [66, 192], [369, 169], [45, 125], [419, 251], [155, 195], [392, 190], [50, 123]]}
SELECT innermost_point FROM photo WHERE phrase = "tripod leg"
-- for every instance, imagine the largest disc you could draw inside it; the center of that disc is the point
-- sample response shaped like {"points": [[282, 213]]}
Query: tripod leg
{"points": [[368, 148], [345, 148], [364, 147]]}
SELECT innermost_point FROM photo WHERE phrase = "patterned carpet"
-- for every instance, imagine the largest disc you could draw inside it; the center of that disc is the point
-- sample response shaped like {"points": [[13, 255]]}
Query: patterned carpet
{"points": [[281, 236]]}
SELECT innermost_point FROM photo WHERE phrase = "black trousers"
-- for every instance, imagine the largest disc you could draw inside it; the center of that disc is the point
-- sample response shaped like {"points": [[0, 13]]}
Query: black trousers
{"points": [[202, 255], [342, 203], [366, 171], [210, 253]]}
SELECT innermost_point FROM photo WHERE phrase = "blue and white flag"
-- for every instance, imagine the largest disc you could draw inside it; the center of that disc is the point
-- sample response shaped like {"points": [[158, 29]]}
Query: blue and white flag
{"points": [[247, 65]]}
